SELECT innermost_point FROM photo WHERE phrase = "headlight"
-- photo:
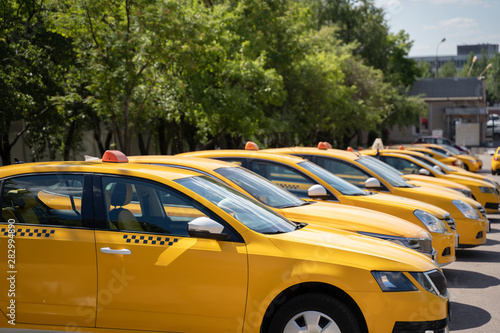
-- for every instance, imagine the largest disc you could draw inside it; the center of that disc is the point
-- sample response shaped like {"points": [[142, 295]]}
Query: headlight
{"points": [[393, 281], [423, 245], [485, 189], [466, 209], [432, 223]]}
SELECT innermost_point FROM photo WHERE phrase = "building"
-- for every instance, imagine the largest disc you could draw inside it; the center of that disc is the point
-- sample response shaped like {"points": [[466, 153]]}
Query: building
{"points": [[457, 110], [463, 52]]}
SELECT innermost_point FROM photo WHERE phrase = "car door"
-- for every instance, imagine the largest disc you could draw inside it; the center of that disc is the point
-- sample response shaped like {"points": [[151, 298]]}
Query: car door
{"points": [[52, 272], [153, 275]]}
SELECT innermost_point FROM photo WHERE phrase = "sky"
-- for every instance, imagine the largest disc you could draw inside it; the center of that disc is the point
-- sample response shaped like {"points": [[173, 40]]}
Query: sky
{"points": [[461, 22]]}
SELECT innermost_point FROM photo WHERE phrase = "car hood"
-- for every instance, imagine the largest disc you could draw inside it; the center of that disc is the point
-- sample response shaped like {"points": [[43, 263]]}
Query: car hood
{"points": [[382, 199], [424, 180], [354, 219], [346, 248]]}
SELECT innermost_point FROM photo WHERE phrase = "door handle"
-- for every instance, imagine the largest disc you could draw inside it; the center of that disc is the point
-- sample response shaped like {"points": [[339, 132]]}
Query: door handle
{"points": [[120, 251]]}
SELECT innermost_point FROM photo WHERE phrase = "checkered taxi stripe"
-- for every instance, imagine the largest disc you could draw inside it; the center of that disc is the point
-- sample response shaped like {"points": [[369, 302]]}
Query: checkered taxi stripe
{"points": [[150, 240], [20, 232]]}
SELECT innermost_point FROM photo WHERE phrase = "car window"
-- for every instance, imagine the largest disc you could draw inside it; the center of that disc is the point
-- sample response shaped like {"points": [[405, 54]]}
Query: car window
{"points": [[344, 170], [53, 199], [248, 211], [260, 188], [135, 205], [401, 164], [284, 176]]}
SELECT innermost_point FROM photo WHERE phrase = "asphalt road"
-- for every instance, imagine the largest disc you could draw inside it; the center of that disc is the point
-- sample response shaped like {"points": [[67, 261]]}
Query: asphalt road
{"points": [[474, 280]]}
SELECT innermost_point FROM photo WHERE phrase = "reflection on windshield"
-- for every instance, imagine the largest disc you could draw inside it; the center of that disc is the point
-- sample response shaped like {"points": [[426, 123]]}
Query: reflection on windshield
{"points": [[338, 183], [246, 210], [383, 170], [260, 188], [432, 161]]}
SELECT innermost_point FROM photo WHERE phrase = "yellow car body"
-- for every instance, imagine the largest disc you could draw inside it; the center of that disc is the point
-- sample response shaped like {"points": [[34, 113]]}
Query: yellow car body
{"points": [[293, 174], [490, 205], [470, 163], [495, 162], [364, 221], [227, 265], [448, 160], [471, 225], [483, 192]]}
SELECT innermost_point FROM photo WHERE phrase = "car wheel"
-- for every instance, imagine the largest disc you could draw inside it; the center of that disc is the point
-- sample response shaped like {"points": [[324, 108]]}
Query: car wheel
{"points": [[493, 172], [466, 167], [316, 313]]}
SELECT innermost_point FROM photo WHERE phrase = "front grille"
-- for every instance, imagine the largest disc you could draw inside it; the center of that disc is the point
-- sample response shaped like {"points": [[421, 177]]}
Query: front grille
{"points": [[439, 282], [491, 205], [451, 222], [437, 326]]}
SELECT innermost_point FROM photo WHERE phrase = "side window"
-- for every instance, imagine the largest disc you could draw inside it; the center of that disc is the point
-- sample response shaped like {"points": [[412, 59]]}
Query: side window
{"points": [[134, 205], [46, 200], [402, 165], [284, 176], [346, 171]]}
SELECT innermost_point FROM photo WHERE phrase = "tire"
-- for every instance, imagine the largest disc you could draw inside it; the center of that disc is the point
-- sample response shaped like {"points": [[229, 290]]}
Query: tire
{"points": [[466, 167], [314, 312], [493, 172]]}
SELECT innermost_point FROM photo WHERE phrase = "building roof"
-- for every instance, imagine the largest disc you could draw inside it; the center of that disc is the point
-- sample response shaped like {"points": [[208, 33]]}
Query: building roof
{"points": [[448, 88]]}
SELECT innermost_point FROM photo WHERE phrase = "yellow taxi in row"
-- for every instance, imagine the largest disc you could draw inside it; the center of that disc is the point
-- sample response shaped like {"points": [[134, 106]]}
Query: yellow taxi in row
{"points": [[495, 162], [470, 163], [364, 221], [483, 192], [307, 180], [490, 207], [111, 246], [443, 158], [372, 174]]}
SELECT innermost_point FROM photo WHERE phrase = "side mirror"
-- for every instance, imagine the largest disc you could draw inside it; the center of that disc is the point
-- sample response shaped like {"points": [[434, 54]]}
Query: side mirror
{"points": [[317, 192], [372, 184], [437, 167], [424, 172], [203, 227]]}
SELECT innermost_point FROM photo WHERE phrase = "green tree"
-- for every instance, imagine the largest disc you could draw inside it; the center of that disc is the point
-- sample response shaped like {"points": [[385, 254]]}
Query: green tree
{"points": [[32, 59], [493, 80], [449, 69], [425, 70]]}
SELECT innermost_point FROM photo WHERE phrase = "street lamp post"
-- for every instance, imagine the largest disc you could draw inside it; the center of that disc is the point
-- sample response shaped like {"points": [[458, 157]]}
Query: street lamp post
{"points": [[471, 65], [436, 63], [480, 75]]}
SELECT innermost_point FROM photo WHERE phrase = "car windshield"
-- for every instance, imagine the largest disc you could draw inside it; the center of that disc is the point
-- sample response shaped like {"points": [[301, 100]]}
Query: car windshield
{"points": [[433, 162], [426, 163], [384, 171], [260, 188], [338, 183], [246, 210]]}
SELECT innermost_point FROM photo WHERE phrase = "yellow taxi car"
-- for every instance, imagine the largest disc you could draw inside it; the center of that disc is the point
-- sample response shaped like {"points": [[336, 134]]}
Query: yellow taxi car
{"points": [[495, 162], [470, 163], [193, 256], [451, 170], [443, 158], [372, 174], [483, 192], [307, 180], [363, 221]]}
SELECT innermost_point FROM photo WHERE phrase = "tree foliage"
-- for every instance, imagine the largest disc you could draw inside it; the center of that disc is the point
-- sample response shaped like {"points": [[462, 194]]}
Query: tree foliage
{"points": [[174, 74]]}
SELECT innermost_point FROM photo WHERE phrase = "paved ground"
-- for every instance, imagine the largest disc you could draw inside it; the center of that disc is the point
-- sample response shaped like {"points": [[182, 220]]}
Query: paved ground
{"points": [[474, 280]]}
